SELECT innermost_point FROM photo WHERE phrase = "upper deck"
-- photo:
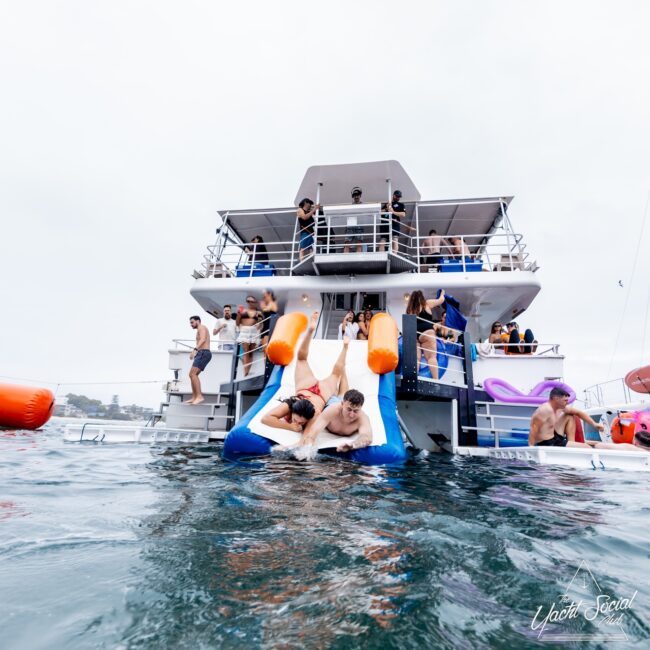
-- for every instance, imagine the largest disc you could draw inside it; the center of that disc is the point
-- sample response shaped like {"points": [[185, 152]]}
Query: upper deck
{"points": [[366, 242]]}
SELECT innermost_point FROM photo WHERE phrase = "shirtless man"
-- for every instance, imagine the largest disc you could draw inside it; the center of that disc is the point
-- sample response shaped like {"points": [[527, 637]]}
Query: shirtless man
{"points": [[201, 356], [343, 417], [553, 425]]}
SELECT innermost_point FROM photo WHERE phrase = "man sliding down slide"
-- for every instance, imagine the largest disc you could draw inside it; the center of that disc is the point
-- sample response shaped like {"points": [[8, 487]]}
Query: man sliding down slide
{"points": [[341, 416]]}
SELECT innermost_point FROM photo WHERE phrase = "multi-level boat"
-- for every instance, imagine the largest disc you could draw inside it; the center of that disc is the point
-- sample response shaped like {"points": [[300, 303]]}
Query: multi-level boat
{"points": [[493, 279]]}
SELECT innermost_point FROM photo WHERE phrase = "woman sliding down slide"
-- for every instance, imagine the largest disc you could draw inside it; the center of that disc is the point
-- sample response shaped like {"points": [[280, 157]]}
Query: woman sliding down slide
{"points": [[320, 393], [293, 414]]}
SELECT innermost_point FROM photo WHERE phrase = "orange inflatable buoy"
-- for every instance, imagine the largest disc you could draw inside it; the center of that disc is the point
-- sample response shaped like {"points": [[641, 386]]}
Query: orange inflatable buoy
{"points": [[288, 329], [383, 353], [25, 407], [623, 428]]}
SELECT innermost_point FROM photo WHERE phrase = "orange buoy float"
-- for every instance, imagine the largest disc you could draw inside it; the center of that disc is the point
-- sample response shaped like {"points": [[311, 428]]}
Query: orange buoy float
{"points": [[625, 425], [25, 407], [383, 354], [288, 329]]}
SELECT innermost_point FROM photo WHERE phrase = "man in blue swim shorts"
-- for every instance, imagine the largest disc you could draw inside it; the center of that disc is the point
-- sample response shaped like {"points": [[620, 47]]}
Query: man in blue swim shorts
{"points": [[200, 357]]}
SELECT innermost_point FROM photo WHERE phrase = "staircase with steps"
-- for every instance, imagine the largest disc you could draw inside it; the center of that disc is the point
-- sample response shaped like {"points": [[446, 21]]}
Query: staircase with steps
{"points": [[211, 415]]}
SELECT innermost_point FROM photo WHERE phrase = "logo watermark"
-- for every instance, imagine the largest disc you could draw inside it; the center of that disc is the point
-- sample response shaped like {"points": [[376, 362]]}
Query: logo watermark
{"points": [[583, 600]]}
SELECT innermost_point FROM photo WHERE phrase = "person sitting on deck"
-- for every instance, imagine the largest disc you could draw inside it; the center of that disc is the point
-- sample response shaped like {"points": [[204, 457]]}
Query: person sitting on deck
{"points": [[293, 414], [553, 425], [427, 327], [306, 212], [518, 343], [257, 251], [343, 417], [460, 250], [353, 232]]}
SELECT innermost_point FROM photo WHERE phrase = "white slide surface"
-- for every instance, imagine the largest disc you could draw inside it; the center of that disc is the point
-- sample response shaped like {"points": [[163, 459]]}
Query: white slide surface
{"points": [[322, 356]]}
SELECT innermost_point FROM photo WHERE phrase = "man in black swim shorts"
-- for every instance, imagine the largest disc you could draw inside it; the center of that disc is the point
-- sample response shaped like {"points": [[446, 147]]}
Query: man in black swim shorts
{"points": [[553, 423], [200, 357]]}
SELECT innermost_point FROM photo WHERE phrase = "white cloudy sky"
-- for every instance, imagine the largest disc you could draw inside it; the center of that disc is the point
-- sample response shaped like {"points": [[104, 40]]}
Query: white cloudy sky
{"points": [[125, 125]]}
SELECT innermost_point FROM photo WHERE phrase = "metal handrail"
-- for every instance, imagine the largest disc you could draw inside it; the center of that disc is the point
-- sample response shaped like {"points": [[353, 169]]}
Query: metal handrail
{"points": [[497, 250]]}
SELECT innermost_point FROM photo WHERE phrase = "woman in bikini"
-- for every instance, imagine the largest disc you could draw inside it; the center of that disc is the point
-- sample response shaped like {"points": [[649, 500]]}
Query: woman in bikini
{"points": [[292, 414], [249, 330], [320, 392]]}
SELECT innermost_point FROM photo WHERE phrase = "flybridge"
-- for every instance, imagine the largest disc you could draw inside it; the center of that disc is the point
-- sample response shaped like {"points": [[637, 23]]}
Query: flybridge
{"points": [[368, 237]]}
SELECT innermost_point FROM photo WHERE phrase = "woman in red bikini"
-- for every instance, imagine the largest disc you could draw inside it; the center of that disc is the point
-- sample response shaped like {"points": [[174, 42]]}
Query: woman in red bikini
{"points": [[292, 414], [323, 392]]}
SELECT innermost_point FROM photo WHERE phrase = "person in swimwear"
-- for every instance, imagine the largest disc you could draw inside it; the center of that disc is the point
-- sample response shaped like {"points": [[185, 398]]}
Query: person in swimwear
{"points": [[343, 417], [292, 414], [553, 425], [319, 391]]}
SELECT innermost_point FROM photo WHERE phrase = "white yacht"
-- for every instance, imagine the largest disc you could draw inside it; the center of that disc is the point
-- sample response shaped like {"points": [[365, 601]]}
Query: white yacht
{"points": [[364, 258]]}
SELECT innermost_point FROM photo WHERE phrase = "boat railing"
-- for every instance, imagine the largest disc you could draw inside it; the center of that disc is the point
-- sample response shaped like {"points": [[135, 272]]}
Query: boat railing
{"points": [[498, 423], [614, 391], [364, 233], [498, 251], [532, 350], [426, 348], [215, 345]]}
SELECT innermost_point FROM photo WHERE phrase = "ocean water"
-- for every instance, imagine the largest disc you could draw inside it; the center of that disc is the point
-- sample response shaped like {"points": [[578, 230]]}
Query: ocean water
{"points": [[131, 546]]}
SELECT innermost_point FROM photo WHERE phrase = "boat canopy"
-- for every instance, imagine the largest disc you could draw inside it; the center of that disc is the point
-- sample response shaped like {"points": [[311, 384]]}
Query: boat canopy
{"points": [[478, 217], [377, 180]]}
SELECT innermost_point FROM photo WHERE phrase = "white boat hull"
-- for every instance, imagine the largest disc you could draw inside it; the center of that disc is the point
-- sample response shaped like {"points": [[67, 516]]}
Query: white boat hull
{"points": [[592, 459]]}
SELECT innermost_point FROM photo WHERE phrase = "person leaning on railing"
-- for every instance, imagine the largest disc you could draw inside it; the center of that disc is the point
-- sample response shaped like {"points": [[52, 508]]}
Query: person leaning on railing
{"points": [[460, 250], [427, 327], [397, 211]]}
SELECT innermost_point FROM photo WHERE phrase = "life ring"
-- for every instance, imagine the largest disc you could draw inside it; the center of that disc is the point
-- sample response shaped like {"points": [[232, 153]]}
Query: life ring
{"points": [[25, 407]]}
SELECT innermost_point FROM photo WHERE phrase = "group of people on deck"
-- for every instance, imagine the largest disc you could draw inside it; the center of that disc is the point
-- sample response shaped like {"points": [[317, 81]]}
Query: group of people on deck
{"points": [[393, 211], [433, 250]]}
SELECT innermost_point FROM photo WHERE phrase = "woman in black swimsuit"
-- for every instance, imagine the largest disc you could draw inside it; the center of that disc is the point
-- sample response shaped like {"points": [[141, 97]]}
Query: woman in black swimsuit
{"points": [[427, 327]]}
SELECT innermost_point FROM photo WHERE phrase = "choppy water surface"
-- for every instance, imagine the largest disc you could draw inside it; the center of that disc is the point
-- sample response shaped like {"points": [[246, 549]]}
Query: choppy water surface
{"points": [[130, 546]]}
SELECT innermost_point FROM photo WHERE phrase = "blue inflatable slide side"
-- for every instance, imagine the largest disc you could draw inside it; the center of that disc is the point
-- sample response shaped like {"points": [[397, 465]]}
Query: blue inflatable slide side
{"points": [[241, 442]]}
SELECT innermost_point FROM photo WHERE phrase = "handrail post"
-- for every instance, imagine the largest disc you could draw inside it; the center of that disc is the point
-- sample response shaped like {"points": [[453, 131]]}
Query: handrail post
{"points": [[417, 237], [409, 353]]}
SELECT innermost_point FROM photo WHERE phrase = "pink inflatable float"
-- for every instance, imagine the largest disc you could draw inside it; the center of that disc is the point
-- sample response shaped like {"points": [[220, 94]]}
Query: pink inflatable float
{"points": [[501, 391]]}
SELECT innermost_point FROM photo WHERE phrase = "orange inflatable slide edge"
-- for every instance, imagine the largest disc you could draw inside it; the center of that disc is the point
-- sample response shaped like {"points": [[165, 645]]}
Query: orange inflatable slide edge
{"points": [[383, 354], [288, 329], [25, 407]]}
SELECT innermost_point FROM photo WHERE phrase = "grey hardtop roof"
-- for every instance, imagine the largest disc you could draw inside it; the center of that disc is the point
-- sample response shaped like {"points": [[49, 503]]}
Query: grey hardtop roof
{"points": [[372, 178], [448, 217]]}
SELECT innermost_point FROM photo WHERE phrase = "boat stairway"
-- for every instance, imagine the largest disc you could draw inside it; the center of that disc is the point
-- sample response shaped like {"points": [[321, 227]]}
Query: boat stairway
{"points": [[211, 415]]}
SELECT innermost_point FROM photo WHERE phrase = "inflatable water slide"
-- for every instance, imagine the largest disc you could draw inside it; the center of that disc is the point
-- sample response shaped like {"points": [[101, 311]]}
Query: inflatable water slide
{"points": [[370, 368]]}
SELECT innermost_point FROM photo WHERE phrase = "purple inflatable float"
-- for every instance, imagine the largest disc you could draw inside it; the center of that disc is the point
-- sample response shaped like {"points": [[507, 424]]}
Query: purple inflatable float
{"points": [[501, 391]]}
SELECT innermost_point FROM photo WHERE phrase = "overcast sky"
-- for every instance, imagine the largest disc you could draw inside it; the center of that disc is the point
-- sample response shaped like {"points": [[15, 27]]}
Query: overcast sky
{"points": [[124, 126]]}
